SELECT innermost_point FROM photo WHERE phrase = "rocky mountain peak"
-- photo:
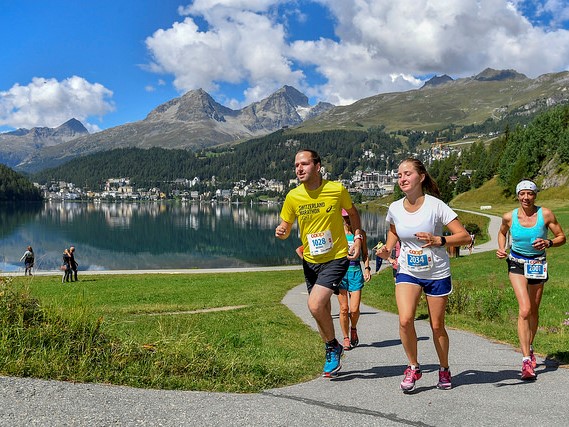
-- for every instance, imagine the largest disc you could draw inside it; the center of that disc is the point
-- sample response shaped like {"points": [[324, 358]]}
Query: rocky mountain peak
{"points": [[285, 107], [18, 132], [194, 105], [293, 96], [489, 74], [438, 80], [71, 127]]}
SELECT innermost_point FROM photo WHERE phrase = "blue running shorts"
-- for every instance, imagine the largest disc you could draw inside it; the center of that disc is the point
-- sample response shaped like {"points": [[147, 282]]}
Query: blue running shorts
{"points": [[432, 288]]}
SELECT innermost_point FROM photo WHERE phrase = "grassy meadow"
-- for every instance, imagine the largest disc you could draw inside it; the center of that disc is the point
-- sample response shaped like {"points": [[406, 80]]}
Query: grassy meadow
{"points": [[150, 331], [169, 331]]}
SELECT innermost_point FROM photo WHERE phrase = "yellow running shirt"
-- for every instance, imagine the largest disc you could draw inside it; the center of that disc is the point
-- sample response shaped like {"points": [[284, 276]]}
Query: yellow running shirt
{"points": [[319, 219]]}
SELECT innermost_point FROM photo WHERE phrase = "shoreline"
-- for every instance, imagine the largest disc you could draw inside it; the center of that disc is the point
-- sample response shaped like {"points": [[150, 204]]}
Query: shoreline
{"points": [[160, 271]]}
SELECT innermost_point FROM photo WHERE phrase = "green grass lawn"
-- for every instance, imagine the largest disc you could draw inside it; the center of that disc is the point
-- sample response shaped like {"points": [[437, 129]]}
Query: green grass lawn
{"points": [[139, 330]]}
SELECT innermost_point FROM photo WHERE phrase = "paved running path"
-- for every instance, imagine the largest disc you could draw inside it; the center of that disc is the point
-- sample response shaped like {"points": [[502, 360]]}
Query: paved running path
{"points": [[487, 390], [493, 228]]}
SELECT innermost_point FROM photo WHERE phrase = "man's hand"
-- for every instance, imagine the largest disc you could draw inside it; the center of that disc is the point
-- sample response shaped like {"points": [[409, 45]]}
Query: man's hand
{"points": [[283, 230], [355, 250]]}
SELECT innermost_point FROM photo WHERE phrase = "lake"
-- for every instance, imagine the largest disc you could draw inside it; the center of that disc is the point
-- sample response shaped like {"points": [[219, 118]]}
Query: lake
{"points": [[154, 235]]}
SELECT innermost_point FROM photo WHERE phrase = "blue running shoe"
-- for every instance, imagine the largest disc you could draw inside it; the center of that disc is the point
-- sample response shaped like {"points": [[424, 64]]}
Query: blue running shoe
{"points": [[333, 361]]}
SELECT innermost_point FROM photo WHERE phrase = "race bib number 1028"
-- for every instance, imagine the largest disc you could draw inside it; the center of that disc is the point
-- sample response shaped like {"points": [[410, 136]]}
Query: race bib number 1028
{"points": [[320, 243]]}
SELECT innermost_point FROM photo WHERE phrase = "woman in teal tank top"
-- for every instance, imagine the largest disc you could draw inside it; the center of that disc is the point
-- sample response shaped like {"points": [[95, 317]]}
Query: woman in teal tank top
{"points": [[528, 226], [351, 287]]}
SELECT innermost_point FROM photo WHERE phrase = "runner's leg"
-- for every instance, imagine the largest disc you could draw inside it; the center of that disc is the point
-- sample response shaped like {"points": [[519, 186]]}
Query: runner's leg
{"points": [[520, 286], [320, 308], [344, 312], [355, 299], [407, 296], [535, 294], [437, 307]]}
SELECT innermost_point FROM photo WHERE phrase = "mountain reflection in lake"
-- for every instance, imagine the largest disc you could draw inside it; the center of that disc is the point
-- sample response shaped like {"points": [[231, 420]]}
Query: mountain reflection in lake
{"points": [[161, 235]]}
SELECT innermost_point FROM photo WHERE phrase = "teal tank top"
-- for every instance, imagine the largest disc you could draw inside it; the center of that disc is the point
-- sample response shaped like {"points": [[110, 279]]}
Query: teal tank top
{"points": [[523, 237]]}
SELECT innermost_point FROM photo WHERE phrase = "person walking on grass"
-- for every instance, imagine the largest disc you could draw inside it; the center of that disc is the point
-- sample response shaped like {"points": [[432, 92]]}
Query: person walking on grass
{"points": [[317, 205], [66, 266], [28, 259], [74, 265], [351, 287], [528, 226], [417, 221]]}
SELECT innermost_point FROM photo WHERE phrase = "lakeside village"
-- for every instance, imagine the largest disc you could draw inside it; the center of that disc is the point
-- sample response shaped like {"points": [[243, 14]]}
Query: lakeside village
{"points": [[360, 184]]}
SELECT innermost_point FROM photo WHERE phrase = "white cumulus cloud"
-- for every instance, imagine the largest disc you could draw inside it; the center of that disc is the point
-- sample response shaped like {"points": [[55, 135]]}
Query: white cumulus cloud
{"points": [[241, 46], [379, 45], [49, 102]]}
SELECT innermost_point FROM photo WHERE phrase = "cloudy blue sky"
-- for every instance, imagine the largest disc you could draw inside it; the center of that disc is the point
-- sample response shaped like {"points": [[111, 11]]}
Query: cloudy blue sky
{"points": [[109, 62]]}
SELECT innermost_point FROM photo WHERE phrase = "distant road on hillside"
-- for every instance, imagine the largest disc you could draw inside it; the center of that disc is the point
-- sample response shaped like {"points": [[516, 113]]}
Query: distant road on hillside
{"points": [[493, 228]]}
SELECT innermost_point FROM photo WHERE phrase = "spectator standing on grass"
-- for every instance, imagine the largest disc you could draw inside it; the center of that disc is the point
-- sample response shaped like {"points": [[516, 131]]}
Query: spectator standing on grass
{"points": [[528, 226], [317, 206], [394, 256], [28, 259], [378, 259], [66, 266], [417, 221], [73, 263], [470, 246]]}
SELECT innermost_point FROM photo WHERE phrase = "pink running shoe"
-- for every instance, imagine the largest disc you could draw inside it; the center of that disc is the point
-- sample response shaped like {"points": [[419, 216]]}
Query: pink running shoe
{"points": [[533, 360], [444, 380], [527, 371], [411, 376]]}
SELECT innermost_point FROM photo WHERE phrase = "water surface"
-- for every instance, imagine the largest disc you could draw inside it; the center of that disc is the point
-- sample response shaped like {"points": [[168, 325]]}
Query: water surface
{"points": [[154, 235]]}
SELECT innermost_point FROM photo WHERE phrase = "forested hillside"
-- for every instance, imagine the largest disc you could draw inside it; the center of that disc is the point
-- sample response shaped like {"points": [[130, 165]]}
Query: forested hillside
{"points": [[268, 157], [524, 152], [16, 187]]}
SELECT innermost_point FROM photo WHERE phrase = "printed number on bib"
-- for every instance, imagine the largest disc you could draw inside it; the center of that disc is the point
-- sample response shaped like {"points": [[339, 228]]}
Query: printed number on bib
{"points": [[535, 269], [419, 259], [320, 243]]}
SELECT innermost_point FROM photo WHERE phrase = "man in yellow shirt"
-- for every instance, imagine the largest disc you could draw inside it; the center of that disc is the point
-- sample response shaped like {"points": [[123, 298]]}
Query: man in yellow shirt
{"points": [[317, 205]]}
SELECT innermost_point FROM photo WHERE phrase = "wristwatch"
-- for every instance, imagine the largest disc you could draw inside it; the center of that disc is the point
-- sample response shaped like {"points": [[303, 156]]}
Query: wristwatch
{"points": [[550, 243], [443, 240], [368, 268]]}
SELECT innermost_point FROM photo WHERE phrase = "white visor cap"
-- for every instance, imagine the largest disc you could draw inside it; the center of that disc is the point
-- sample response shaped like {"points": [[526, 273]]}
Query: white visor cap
{"points": [[526, 185]]}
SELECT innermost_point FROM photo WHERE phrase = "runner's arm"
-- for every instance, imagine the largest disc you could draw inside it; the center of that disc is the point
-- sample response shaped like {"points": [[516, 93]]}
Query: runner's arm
{"points": [[502, 233], [283, 230], [554, 227], [385, 251], [357, 228]]}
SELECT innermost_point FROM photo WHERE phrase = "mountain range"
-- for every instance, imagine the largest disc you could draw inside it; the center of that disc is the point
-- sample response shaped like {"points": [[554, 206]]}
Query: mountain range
{"points": [[192, 121], [442, 101], [195, 120], [20, 144]]}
